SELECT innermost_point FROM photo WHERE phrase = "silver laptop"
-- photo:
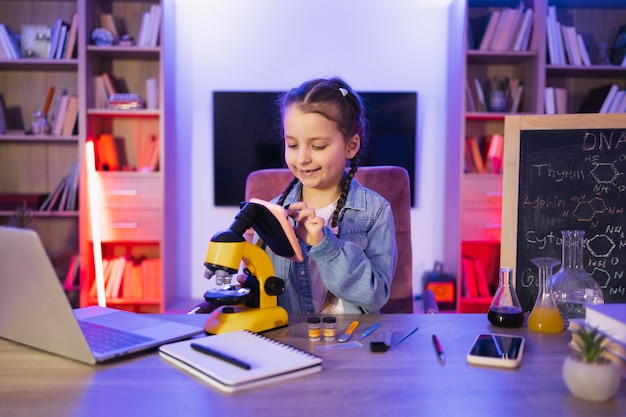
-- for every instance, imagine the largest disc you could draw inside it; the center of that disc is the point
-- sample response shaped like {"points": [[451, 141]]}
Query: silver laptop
{"points": [[35, 311]]}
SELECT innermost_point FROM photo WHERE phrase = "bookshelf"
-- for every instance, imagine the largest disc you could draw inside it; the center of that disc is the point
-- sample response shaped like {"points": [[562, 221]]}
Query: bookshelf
{"points": [[125, 198], [32, 165], [598, 21]]}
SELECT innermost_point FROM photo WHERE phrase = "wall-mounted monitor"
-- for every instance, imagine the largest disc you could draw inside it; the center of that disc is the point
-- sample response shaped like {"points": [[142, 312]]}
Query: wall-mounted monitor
{"points": [[248, 136]]}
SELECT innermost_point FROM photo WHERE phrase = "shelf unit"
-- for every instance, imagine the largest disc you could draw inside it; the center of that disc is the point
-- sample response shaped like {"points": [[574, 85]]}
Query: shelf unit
{"points": [[598, 21], [31, 166], [128, 201]]}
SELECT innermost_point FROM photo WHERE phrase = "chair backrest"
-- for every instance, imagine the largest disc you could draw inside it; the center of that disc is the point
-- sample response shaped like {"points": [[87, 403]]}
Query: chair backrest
{"points": [[392, 183]]}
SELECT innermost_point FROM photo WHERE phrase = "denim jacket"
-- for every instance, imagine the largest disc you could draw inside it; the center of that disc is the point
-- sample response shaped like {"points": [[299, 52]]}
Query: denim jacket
{"points": [[357, 265]]}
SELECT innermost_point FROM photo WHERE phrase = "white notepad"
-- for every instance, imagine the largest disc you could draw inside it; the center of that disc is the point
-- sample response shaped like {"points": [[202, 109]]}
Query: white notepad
{"points": [[269, 360]]}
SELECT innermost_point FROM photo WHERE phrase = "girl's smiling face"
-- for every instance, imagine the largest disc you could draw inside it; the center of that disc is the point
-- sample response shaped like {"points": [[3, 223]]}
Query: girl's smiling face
{"points": [[316, 151]]}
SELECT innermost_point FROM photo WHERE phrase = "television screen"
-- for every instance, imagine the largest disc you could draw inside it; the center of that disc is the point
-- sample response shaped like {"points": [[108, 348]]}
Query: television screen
{"points": [[248, 136]]}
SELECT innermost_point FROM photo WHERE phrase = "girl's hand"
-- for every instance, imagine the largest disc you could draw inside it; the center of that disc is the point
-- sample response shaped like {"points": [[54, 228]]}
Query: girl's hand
{"points": [[308, 225]]}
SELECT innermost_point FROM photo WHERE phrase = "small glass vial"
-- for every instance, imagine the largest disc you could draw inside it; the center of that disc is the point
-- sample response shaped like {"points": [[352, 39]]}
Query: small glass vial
{"points": [[330, 324], [315, 329]]}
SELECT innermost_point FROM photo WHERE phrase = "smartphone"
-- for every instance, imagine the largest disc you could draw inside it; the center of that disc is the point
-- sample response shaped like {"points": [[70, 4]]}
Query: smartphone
{"points": [[498, 350]]}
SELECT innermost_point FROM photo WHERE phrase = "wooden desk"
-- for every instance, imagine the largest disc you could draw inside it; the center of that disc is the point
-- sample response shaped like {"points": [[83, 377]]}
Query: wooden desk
{"points": [[408, 380]]}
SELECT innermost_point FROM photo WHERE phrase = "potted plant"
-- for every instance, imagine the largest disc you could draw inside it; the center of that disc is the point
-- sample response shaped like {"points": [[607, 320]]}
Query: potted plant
{"points": [[587, 372]]}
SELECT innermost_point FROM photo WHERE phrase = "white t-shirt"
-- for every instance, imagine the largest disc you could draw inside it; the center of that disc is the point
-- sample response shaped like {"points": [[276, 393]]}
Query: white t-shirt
{"points": [[319, 291]]}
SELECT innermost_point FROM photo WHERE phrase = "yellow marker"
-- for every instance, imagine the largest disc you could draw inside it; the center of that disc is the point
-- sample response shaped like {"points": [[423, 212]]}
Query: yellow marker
{"points": [[344, 337]]}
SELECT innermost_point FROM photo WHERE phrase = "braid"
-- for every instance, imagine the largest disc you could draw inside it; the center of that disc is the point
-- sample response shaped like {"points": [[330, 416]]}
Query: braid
{"points": [[287, 190], [344, 191]]}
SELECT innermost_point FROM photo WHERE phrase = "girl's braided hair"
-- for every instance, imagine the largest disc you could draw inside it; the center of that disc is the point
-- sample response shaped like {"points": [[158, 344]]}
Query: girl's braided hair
{"points": [[335, 100]]}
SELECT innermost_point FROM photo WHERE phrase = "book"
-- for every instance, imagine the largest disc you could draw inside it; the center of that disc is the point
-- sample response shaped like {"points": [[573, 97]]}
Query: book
{"points": [[516, 98], [109, 83], [520, 43], [70, 283], [59, 114], [594, 100], [489, 31], [481, 99], [72, 35], [495, 153], [270, 361], [107, 157], [512, 19], [54, 38], [3, 122], [481, 279], [570, 39], [610, 318], [469, 277], [9, 43], [584, 53], [151, 275], [560, 100], [71, 115], [473, 147], [58, 54], [144, 29], [549, 100], [155, 25], [616, 102], [618, 49], [606, 105]]}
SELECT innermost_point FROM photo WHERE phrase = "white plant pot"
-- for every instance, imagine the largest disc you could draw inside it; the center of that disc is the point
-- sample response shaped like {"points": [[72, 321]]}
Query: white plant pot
{"points": [[591, 381]]}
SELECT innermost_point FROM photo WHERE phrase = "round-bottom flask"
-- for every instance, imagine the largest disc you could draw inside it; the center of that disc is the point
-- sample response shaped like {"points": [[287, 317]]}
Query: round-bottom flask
{"points": [[545, 316], [505, 309], [571, 286]]}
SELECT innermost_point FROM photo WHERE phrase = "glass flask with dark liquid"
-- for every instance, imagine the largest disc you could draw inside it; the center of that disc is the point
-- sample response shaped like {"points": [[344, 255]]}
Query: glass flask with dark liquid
{"points": [[505, 309]]}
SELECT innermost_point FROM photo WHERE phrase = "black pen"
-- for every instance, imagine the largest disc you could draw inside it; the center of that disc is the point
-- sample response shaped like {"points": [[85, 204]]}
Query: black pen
{"points": [[439, 349], [219, 355]]}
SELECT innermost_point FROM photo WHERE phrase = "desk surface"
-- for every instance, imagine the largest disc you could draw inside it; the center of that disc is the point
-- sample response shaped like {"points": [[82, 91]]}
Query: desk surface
{"points": [[407, 380]]}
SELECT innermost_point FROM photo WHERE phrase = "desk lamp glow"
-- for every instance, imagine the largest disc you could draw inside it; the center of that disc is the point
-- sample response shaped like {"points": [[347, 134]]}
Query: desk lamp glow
{"points": [[253, 305], [92, 179]]}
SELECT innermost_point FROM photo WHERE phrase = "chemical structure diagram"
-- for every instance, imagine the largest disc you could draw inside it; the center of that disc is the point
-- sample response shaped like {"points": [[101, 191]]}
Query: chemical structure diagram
{"points": [[606, 175]]}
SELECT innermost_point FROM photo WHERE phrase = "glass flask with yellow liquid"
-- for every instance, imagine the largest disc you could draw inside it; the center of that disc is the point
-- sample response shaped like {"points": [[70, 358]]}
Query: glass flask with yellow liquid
{"points": [[545, 316]]}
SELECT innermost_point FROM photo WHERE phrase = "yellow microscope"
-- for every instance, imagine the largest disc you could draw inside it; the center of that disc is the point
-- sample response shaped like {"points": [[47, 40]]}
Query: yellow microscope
{"points": [[253, 304]]}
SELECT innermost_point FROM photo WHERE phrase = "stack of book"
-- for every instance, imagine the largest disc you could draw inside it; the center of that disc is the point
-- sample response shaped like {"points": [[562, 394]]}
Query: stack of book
{"points": [[508, 30], [610, 319], [150, 27], [66, 115], [474, 278], [9, 46], [131, 278], [565, 45], [63, 39], [65, 195], [483, 155]]}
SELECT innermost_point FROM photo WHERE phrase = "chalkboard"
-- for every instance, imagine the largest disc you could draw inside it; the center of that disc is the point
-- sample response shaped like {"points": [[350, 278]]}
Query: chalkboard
{"points": [[564, 172]]}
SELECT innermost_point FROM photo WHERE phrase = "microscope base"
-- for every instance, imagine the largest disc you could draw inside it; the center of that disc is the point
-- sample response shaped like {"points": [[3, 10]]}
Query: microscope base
{"points": [[254, 319]]}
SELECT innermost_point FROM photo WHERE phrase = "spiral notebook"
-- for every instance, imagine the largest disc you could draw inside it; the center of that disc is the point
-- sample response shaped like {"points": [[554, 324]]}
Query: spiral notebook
{"points": [[224, 367]]}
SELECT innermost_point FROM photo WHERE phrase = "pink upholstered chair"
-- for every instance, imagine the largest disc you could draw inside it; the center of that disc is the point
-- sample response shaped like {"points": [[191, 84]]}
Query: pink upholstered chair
{"points": [[391, 182]]}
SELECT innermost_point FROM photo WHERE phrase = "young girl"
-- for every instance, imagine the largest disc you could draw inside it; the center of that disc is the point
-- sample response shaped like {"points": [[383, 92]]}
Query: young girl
{"points": [[346, 231]]}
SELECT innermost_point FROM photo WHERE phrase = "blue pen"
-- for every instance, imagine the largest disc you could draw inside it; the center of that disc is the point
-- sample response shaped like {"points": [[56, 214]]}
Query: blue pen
{"points": [[370, 330]]}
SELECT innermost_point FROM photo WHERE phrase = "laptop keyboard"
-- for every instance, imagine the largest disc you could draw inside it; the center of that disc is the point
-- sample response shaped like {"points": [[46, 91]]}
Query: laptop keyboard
{"points": [[105, 339]]}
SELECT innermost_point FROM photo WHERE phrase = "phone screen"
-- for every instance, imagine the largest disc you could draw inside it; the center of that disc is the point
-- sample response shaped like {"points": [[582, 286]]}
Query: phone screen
{"points": [[496, 350]]}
